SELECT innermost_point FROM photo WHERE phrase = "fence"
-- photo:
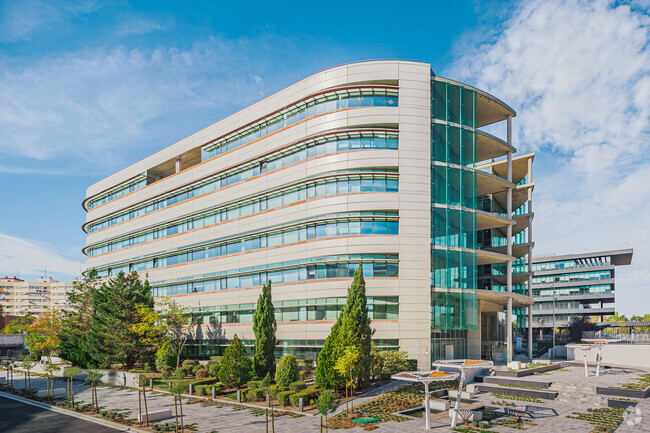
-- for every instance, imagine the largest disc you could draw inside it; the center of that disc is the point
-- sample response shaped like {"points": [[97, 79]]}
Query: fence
{"points": [[619, 338]]}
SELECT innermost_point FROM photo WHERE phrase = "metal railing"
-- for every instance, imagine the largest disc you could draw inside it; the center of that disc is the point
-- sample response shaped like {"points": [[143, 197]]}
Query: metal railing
{"points": [[641, 338]]}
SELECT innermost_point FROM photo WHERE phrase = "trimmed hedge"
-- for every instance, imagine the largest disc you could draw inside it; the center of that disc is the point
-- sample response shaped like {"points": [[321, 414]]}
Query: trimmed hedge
{"points": [[254, 384], [283, 397], [294, 398], [297, 386], [255, 394]]}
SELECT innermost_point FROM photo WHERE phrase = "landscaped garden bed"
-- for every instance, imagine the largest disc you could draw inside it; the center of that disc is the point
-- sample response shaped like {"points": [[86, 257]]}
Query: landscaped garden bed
{"points": [[640, 388], [604, 420], [522, 392], [516, 397], [528, 370]]}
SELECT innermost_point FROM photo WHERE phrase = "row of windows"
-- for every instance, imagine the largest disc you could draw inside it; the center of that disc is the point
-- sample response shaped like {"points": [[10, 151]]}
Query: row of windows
{"points": [[343, 228], [119, 192], [291, 195], [453, 186], [569, 264], [568, 291], [453, 103], [375, 269], [379, 311], [211, 219], [297, 153], [327, 103], [379, 300], [580, 276], [453, 228]]}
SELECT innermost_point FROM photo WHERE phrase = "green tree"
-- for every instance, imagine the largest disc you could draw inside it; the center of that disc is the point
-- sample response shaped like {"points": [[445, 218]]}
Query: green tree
{"points": [[287, 371], [264, 327], [326, 404], [236, 367], [111, 339], [355, 329], [27, 365], [42, 338], [76, 324], [93, 377], [352, 328], [166, 325], [348, 367], [18, 325]]}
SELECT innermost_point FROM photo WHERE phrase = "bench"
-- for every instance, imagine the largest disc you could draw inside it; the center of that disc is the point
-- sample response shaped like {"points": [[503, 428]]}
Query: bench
{"points": [[452, 393], [156, 415], [56, 392]]}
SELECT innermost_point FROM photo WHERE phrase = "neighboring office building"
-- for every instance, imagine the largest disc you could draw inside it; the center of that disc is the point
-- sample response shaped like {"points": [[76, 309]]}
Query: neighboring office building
{"points": [[583, 285], [20, 298], [375, 162]]}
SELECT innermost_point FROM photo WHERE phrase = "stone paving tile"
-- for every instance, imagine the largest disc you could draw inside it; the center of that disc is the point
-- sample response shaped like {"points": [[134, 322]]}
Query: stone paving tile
{"points": [[228, 419]]}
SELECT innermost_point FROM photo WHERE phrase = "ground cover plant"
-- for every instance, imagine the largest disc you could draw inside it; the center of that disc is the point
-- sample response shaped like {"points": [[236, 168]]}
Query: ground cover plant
{"points": [[522, 387], [604, 420], [640, 383], [517, 397]]}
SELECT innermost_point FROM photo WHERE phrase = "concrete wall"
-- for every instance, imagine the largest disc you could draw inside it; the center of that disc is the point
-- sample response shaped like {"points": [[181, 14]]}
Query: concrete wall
{"points": [[624, 355]]}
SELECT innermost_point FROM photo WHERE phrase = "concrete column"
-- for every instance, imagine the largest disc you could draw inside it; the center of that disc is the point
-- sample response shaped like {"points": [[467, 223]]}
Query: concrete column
{"points": [[509, 247], [178, 165], [530, 260]]}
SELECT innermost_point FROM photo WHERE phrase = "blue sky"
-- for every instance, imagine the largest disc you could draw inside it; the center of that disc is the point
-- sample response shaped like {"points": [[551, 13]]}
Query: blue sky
{"points": [[88, 87]]}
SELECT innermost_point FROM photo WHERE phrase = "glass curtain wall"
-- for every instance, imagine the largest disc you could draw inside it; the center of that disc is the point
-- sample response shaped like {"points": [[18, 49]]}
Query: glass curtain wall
{"points": [[453, 219]]}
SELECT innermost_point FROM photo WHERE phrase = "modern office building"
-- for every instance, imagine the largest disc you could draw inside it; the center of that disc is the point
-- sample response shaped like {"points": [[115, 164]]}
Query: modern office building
{"points": [[380, 163], [21, 298], [574, 285]]}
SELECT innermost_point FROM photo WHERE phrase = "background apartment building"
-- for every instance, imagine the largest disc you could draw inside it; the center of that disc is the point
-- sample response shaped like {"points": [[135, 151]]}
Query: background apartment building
{"points": [[21, 298], [376, 163], [575, 285]]}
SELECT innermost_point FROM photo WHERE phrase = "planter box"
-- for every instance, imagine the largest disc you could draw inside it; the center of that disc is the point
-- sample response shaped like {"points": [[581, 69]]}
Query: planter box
{"points": [[156, 415], [527, 371], [621, 392], [463, 395], [441, 405], [507, 381], [620, 404], [533, 393], [56, 392]]}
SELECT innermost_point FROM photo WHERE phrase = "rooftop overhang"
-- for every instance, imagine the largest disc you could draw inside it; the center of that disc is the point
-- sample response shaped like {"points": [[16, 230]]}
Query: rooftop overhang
{"points": [[483, 257], [489, 147], [517, 278], [521, 223], [501, 298], [519, 196], [488, 183], [519, 167], [618, 257], [487, 220], [518, 250]]}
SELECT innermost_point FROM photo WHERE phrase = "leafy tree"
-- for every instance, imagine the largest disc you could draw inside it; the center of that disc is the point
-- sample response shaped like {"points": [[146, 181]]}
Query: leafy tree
{"points": [[93, 377], [577, 326], [18, 325], [348, 367], [70, 373], [287, 371], [43, 336], [165, 357], [236, 367], [76, 324], [167, 324], [27, 365], [117, 304], [326, 403], [49, 374], [264, 327]]}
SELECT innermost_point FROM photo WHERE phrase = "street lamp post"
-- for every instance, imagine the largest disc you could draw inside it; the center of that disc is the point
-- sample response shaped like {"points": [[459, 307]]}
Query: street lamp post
{"points": [[553, 288]]}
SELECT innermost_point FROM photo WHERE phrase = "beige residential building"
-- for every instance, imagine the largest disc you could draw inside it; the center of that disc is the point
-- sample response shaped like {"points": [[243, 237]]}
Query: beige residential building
{"points": [[21, 298], [381, 163]]}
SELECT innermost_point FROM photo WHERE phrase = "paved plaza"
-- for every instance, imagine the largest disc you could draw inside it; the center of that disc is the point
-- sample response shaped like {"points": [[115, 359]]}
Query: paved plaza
{"points": [[576, 394]]}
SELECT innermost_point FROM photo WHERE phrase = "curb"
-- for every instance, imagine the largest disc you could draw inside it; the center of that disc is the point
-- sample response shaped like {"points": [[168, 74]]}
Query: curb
{"points": [[116, 426]]}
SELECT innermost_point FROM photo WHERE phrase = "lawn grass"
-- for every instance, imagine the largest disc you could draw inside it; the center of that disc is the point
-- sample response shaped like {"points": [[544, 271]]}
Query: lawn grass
{"points": [[517, 397], [604, 420]]}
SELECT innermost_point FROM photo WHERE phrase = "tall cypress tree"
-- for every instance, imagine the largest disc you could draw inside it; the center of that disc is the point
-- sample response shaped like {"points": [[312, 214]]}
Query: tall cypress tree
{"points": [[264, 327], [355, 329], [326, 376]]}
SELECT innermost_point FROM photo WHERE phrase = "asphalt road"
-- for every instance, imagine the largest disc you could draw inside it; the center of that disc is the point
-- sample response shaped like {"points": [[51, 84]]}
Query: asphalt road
{"points": [[19, 417]]}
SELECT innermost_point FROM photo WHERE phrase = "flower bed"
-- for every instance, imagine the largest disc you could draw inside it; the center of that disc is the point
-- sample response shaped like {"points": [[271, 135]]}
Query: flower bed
{"points": [[517, 397]]}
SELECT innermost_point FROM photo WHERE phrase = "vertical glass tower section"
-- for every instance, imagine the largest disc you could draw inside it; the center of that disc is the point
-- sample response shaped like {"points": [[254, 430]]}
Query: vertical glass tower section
{"points": [[453, 218]]}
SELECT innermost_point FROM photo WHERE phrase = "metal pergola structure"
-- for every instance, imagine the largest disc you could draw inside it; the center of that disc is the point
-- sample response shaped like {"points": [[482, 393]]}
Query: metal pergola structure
{"points": [[425, 377]]}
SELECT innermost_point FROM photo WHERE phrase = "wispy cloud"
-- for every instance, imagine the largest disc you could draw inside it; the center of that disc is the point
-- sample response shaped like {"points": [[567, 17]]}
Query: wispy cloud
{"points": [[30, 258], [578, 74], [138, 24], [20, 19], [99, 101]]}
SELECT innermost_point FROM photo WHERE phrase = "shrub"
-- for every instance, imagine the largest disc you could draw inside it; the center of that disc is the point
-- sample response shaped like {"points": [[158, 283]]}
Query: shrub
{"points": [[393, 361], [202, 389], [297, 386], [412, 364], [181, 373], [166, 372], [202, 373], [213, 368], [294, 398], [188, 364], [218, 386], [267, 381], [236, 367], [253, 384], [287, 371], [196, 368], [283, 397], [165, 357]]}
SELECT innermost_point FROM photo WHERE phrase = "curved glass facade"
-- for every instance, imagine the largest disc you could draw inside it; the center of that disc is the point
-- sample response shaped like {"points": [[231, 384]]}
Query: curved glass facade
{"points": [[453, 221]]}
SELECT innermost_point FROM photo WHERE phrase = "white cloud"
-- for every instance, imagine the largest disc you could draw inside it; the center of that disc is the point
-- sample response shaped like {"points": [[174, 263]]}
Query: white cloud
{"points": [[101, 101], [21, 19], [578, 74], [28, 257]]}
